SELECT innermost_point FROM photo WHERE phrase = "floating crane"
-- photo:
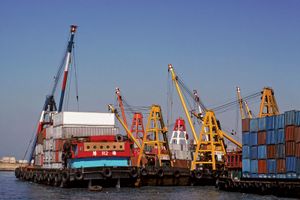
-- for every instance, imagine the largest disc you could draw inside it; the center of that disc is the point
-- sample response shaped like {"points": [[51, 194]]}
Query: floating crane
{"points": [[210, 142], [50, 105]]}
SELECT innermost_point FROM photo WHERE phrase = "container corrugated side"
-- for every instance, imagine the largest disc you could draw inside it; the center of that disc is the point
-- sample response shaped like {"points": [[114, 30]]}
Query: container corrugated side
{"points": [[254, 125], [84, 118], [253, 152], [253, 166], [271, 137], [262, 124], [280, 166], [290, 147], [280, 150], [280, 136], [270, 122], [253, 138], [291, 164], [271, 168], [289, 133], [262, 152], [262, 168], [246, 167], [261, 137], [279, 121], [297, 134], [246, 152], [84, 131], [246, 138], [290, 117], [271, 151], [245, 125]]}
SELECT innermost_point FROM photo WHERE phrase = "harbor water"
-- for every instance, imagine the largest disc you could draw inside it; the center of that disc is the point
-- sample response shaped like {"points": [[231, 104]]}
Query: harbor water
{"points": [[12, 188]]}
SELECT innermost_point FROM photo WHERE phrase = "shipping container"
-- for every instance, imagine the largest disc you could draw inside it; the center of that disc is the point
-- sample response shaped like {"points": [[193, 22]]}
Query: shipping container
{"points": [[280, 150], [297, 150], [291, 164], [246, 125], [84, 118], [298, 118], [262, 166], [83, 131], [254, 125], [290, 117], [253, 152], [253, 166], [271, 122], [261, 137], [280, 166], [246, 165], [246, 138], [253, 138], [262, 124], [262, 152], [271, 137], [49, 132], [271, 151], [289, 133], [290, 148], [246, 152], [280, 136], [298, 167], [271, 166], [297, 134], [279, 122]]}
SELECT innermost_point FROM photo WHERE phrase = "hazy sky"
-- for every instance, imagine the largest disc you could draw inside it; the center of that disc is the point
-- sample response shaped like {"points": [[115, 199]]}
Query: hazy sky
{"points": [[213, 45]]}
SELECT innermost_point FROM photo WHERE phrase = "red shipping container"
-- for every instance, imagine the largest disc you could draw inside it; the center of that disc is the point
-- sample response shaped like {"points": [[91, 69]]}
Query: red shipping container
{"points": [[59, 144], [290, 133], [290, 148], [271, 151], [261, 137], [297, 134], [246, 125], [262, 166], [280, 168], [297, 150]]}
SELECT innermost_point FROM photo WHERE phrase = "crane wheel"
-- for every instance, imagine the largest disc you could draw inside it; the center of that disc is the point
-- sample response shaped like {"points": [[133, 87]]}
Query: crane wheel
{"points": [[144, 172], [65, 177], [107, 172], [78, 175], [133, 173]]}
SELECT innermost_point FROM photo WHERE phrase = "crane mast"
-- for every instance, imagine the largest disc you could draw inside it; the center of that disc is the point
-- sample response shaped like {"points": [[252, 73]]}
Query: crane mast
{"points": [[268, 105], [120, 101], [243, 105], [67, 66], [175, 80]]}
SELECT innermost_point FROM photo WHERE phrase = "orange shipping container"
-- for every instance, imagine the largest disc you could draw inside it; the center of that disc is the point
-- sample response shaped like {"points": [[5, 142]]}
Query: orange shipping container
{"points": [[261, 137], [297, 134], [290, 148], [246, 125], [289, 133], [297, 150], [271, 151], [262, 166], [280, 166]]}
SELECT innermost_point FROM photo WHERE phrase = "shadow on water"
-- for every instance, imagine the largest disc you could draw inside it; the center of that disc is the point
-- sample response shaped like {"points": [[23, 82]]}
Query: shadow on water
{"points": [[11, 188]]}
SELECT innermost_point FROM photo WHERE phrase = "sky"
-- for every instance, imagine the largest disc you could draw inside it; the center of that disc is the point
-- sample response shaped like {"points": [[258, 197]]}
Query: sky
{"points": [[214, 46]]}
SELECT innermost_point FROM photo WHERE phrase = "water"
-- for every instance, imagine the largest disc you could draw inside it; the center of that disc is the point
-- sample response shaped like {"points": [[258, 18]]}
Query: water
{"points": [[12, 188]]}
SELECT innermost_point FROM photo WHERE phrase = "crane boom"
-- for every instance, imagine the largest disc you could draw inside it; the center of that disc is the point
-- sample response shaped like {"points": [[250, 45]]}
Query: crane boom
{"points": [[120, 100], [67, 66], [175, 80], [113, 110]]}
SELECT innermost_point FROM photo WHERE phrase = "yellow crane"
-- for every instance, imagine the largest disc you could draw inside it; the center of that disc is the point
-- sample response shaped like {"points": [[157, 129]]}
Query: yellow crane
{"points": [[244, 108], [210, 143], [268, 104]]}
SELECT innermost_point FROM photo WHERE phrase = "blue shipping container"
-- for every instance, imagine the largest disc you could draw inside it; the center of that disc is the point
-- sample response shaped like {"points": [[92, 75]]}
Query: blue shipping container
{"points": [[262, 124], [254, 125], [246, 152], [262, 152], [246, 165], [280, 136], [271, 122], [271, 166], [290, 117], [291, 164], [253, 152], [245, 138], [279, 122], [298, 167], [254, 166], [298, 118], [253, 139], [280, 150], [271, 137]]}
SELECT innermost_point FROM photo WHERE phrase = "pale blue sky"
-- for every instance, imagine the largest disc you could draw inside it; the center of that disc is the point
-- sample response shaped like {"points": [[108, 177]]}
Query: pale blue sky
{"points": [[213, 45]]}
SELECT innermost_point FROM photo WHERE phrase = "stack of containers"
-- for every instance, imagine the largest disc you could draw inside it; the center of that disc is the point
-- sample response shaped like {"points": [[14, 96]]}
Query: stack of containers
{"points": [[274, 147], [290, 144], [262, 147], [246, 147]]}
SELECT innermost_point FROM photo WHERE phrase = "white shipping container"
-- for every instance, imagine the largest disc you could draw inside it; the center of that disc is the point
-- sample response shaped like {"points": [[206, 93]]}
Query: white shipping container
{"points": [[83, 131], [84, 118], [38, 149]]}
